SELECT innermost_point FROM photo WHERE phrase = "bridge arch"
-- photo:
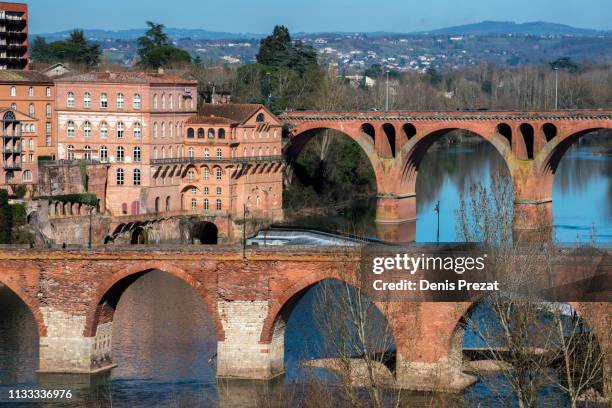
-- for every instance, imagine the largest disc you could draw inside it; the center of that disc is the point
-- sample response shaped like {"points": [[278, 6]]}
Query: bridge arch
{"points": [[548, 159], [30, 303], [110, 290], [413, 152], [364, 135], [273, 330]]}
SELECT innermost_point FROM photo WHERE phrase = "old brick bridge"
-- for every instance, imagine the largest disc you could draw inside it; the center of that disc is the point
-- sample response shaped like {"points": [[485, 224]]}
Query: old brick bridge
{"points": [[73, 294], [530, 143]]}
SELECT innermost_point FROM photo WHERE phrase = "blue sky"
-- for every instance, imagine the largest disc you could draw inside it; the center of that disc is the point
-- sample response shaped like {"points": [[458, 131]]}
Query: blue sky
{"points": [[260, 16]]}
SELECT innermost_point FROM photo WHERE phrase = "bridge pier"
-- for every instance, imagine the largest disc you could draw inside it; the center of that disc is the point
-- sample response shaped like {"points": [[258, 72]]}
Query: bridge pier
{"points": [[396, 218], [532, 220], [241, 355], [66, 350]]}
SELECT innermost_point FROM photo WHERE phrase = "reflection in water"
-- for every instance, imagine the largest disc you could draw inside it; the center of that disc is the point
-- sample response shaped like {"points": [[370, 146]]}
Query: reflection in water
{"points": [[582, 181], [163, 336]]}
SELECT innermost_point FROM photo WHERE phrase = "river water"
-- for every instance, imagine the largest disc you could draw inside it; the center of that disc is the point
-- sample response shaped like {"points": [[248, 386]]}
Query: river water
{"points": [[164, 341]]}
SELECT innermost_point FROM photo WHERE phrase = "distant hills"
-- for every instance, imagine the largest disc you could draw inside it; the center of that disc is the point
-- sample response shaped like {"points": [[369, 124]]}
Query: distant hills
{"points": [[483, 28], [510, 27]]}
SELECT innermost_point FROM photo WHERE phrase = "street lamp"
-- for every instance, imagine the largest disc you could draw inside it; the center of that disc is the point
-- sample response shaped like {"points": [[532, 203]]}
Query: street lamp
{"points": [[89, 244], [556, 69], [244, 214]]}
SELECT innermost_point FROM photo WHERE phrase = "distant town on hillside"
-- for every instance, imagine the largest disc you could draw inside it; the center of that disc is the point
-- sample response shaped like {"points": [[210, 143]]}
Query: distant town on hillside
{"points": [[502, 43]]}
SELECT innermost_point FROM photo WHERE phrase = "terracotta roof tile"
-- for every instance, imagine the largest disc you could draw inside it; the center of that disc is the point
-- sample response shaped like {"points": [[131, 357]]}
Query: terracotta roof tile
{"points": [[210, 120], [236, 112], [128, 77], [15, 76]]}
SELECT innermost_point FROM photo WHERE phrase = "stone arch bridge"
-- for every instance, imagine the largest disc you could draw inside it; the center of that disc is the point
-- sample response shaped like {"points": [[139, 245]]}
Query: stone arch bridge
{"points": [[73, 294], [530, 143]]}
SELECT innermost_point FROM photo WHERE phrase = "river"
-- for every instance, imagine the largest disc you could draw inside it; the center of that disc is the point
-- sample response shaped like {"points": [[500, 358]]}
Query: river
{"points": [[164, 341]]}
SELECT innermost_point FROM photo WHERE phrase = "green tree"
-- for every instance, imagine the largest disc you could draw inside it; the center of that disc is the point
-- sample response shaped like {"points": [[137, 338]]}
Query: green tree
{"points": [[276, 50], [6, 218], [75, 50], [155, 51], [40, 50]]}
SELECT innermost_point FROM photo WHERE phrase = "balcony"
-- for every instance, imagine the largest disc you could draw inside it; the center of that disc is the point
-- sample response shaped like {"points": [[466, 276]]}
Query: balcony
{"points": [[12, 166], [12, 150], [214, 160]]}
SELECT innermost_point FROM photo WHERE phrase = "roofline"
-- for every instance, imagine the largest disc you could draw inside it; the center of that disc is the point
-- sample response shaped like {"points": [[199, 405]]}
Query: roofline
{"points": [[262, 106]]}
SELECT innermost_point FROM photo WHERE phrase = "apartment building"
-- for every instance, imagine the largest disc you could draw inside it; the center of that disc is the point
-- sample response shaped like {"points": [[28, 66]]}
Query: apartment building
{"points": [[123, 118], [13, 36], [30, 97]]}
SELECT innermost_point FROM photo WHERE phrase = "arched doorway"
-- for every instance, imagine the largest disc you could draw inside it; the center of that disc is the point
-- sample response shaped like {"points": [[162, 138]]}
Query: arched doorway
{"points": [[204, 232], [139, 236], [19, 339]]}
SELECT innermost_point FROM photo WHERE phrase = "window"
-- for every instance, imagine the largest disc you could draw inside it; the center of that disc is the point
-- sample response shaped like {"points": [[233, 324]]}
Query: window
{"points": [[119, 130], [267, 151], [70, 152], [31, 91], [48, 128], [103, 154], [206, 173], [119, 176], [155, 152], [260, 117], [27, 175], [31, 109], [13, 106], [206, 190], [163, 101], [194, 203], [103, 100], [190, 133], [218, 190], [244, 152], [120, 153], [137, 130], [221, 133], [154, 129], [87, 100], [200, 133], [206, 154], [163, 129], [211, 133], [275, 151], [137, 154], [218, 204], [275, 133], [218, 173], [13, 91], [103, 130], [190, 152], [70, 129], [137, 102], [120, 101], [170, 152], [190, 175], [48, 92], [194, 190], [168, 203], [31, 144], [206, 205], [170, 129], [154, 101], [259, 152], [136, 177], [219, 153], [170, 101], [48, 110], [70, 99], [163, 153], [87, 129], [87, 152]]}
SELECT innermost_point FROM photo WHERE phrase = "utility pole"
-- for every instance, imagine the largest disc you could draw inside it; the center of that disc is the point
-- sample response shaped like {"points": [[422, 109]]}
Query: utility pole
{"points": [[387, 99], [89, 244], [244, 209], [437, 210], [556, 69]]}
